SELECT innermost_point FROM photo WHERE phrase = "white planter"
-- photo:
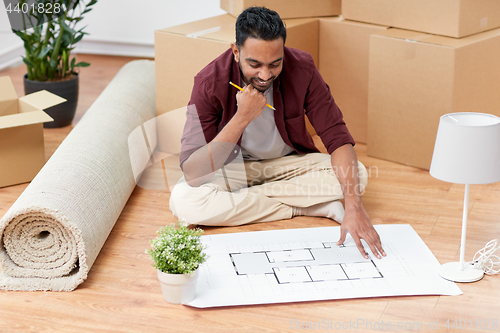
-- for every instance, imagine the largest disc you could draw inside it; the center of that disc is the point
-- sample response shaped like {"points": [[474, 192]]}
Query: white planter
{"points": [[178, 288]]}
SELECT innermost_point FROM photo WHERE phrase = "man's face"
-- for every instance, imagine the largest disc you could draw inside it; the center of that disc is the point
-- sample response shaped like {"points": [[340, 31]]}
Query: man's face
{"points": [[260, 61]]}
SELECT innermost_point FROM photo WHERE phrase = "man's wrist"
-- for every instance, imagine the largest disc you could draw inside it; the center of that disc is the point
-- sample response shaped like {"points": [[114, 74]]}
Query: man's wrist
{"points": [[240, 121], [353, 202]]}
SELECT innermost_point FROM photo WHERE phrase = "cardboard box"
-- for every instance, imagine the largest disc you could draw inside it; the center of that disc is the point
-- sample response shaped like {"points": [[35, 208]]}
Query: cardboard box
{"points": [[182, 51], [22, 152], [286, 8], [415, 78], [453, 18], [343, 63]]}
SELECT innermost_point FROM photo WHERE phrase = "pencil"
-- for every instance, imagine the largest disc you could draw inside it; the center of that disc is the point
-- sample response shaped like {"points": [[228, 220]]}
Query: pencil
{"points": [[240, 88]]}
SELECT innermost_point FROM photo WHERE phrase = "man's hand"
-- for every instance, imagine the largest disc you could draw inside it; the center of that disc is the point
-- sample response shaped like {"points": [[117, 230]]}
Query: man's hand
{"points": [[356, 220], [251, 103], [200, 166], [358, 224]]}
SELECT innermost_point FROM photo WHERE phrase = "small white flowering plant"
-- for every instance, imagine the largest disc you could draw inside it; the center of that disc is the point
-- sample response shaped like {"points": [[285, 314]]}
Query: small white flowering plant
{"points": [[177, 249]]}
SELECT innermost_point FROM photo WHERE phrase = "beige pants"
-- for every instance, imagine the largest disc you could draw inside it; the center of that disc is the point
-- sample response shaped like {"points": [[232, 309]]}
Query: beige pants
{"points": [[259, 191]]}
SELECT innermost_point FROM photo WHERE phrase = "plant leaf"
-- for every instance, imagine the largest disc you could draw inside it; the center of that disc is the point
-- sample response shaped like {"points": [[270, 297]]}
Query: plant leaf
{"points": [[20, 34], [28, 62], [52, 64], [74, 3], [67, 38], [44, 52], [78, 38], [82, 64], [66, 27]]}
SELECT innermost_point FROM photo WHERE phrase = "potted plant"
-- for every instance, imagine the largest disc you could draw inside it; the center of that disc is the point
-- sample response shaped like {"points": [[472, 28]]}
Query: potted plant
{"points": [[177, 253], [49, 32]]}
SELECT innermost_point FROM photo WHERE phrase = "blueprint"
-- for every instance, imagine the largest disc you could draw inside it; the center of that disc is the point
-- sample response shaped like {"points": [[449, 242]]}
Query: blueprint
{"points": [[295, 265]]}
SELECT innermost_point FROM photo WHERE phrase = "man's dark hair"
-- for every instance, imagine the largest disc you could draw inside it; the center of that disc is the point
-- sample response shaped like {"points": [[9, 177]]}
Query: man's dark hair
{"points": [[261, 23]]}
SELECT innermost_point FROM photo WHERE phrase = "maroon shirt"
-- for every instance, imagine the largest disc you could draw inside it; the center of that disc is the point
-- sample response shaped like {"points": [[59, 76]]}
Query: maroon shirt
{"points": [[298, 88]]}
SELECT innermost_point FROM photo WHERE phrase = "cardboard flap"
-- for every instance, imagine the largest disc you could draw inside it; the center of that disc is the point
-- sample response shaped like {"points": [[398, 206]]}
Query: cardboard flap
{"points": [[7, 89], [419, 37], [25, 118], [42, 99], [198, 27]]}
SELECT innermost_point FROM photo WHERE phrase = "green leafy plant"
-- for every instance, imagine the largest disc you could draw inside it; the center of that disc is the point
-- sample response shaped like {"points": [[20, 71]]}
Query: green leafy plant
{"points": [[49, 43], [177, 249]]}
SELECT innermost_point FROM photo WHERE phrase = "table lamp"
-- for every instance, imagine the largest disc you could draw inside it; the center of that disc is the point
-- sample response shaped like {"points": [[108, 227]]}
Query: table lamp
{"points": [[467, 151]]}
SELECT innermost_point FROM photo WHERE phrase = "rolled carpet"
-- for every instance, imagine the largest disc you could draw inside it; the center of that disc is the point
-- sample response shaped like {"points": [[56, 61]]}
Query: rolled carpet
{"points": [[52, 234]]}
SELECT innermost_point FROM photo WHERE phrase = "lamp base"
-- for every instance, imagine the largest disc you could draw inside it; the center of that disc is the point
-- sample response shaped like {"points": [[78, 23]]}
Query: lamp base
{"points": [[451, 271]]}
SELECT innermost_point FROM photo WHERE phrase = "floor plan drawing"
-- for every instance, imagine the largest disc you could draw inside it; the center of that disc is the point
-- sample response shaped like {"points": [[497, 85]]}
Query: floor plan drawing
{"points": [[306, 264]]}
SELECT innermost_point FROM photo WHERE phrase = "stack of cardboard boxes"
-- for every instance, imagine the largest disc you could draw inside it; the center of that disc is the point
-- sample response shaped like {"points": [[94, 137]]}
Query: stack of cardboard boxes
{"points": [[393, 66], [445, 60], [343, 63], [182, 51]]}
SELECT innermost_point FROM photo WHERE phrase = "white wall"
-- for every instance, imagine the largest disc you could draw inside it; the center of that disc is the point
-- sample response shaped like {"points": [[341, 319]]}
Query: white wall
{"points": [[10, 45], [119, 27]]}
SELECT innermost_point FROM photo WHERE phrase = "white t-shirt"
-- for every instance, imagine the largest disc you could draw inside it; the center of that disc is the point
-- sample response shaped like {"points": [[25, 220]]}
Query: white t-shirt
{"points": [[261, 139]]}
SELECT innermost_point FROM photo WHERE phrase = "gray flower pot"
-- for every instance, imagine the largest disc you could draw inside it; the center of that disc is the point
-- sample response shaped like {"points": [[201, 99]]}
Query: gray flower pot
{"points": [[63, 113]]}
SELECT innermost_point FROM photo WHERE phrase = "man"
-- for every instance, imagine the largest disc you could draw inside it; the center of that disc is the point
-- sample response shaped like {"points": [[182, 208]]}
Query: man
{"points": [[278, 173]]}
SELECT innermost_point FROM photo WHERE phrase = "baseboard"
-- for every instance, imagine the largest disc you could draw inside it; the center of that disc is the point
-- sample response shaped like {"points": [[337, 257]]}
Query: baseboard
{"points": [[12, 56], [120, 48]]}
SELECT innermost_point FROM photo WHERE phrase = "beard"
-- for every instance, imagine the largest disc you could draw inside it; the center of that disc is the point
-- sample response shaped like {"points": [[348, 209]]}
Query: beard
{"points": [[254, 81]]}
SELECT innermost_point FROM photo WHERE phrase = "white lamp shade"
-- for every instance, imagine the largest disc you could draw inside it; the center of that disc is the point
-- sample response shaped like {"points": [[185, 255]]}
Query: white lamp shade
{"points": [[467, 149]]}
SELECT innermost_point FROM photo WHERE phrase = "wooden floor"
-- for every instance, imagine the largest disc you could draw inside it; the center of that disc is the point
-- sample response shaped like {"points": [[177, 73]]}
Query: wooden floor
{"points": [[122, 293]]}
